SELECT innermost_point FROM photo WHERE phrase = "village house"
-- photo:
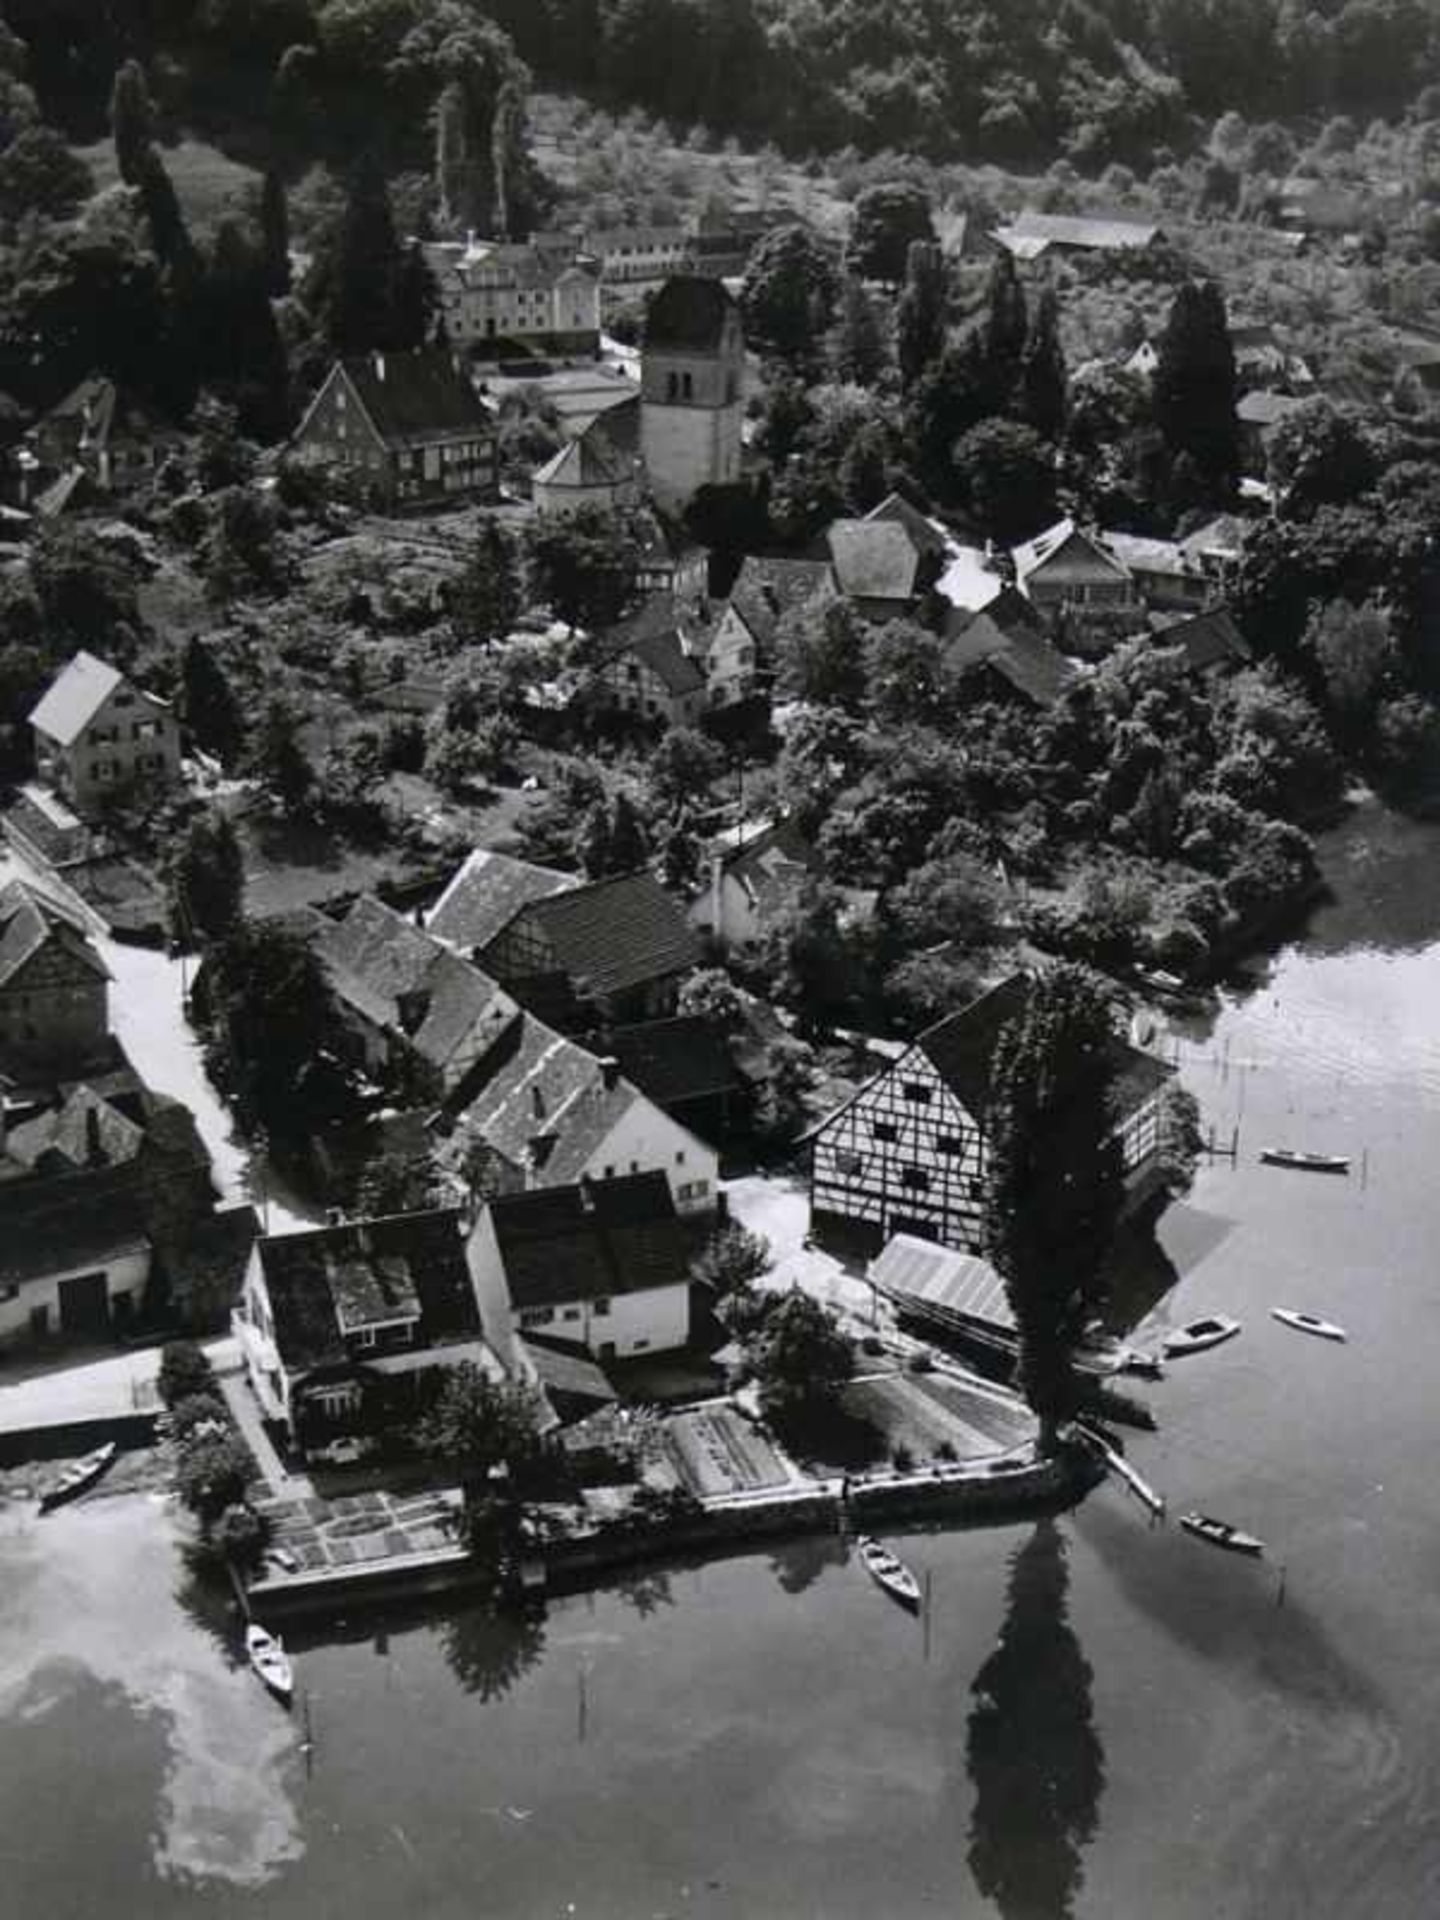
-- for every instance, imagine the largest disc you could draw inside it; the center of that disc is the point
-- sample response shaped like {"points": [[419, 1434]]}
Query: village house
{"points": [[907, 1153], [646, 669], [1004, 654], [1218, 547], [880, 570], [602, 1266], [54, 987], [751, 880], [742, 650], [684, 1065], [1210, 641], [99, 431], [410, 426], [485, 893], [539, 293], [343, 1329], [418, 1015], [549, 1112], [1165, 575], [1070, 579], [1259, 413], [610, 950], [75, 1256], [97, 735], [632, 257]]}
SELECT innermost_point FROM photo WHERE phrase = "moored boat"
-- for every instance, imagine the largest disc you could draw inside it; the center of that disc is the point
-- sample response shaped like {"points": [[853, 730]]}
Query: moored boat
{"points": [[1305, 1162], [1220, 1533], [892, 1574], [1208, 1331], [79, 1475], [269, 1660], [1308, 1323]]}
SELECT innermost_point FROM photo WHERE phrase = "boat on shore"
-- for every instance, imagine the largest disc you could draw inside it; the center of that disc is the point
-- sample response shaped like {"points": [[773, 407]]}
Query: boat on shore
{"points": [[269, 1661], [1220, 1533], [79, 1475], [1308, 1323], [1200, 1334], [1304, 1162], [888, 1572]]}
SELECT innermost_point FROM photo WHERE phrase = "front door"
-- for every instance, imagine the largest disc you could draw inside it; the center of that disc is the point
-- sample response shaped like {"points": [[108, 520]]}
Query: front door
{"points": [[85, 1307]]}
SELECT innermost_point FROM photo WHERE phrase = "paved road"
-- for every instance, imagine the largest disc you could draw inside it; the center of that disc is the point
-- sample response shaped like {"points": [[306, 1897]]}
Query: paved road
{"points": [[38, 1392]]}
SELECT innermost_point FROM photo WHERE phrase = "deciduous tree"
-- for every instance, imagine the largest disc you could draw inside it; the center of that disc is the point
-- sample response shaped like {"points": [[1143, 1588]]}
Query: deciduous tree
{"points": [[888, 219]]}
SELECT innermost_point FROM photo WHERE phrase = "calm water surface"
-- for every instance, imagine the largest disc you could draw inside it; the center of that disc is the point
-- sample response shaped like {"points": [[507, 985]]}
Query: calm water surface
{"points": [[1103, 1718]]}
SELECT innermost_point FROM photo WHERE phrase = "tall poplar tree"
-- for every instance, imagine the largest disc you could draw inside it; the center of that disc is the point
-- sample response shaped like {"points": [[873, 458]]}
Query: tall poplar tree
{"points": [[1055, 1180], [1004, 331], [1194, 390], [1042, 372], [132, 121], [921, 314], [275, 233]]}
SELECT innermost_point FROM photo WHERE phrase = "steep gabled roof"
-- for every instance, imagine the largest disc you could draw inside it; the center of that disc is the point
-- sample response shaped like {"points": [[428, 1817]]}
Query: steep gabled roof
{"points": [[84, 1130], [680, 1059], [689, 313], [590, 1241], [74, 697], [29, 918], [617, 933], [873, 559], [1061, 549], [416, 396], [653, 638], [1024, 656], [1081, 230], [336, 1280], [486, 893], [1139, 553], [1208, 639], [590, 461], [926, 535], [61, 1224], [546, 1105]]}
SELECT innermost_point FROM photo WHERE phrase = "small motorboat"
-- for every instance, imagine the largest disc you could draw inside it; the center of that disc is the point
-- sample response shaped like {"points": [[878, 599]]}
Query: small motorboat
{"points": [[1304, 1162], [1308, 1323], [267, 1656], [1200, 1334], [79, 1475], [892, 1574], [1220, 1533]]}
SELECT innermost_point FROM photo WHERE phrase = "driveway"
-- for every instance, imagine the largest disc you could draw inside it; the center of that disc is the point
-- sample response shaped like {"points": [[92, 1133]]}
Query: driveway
{"points": [[778, 1205]]}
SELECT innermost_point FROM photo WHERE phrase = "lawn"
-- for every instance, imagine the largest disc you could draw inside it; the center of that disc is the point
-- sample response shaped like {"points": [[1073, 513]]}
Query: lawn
{"points": [[208, 184]]}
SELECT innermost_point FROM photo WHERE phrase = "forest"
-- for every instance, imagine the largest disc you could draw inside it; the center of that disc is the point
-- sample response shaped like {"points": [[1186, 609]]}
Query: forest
{"points": [[1093, 81]]}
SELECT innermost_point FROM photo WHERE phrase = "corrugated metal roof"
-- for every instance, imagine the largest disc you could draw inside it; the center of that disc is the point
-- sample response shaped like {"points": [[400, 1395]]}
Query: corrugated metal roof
{"points": [[921, 1271]]}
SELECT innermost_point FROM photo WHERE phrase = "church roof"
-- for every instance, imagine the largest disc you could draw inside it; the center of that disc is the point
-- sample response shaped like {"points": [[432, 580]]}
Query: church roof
{"points": [[689, 311]]}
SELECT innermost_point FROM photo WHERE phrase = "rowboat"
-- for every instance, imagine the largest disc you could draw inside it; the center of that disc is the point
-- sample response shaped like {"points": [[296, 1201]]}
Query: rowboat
{"points": [[1304, 1162], [1200, 1334], [892, 1574], [1308, 1323], [1220, 1533], [79, 1475], [268, 1658]]}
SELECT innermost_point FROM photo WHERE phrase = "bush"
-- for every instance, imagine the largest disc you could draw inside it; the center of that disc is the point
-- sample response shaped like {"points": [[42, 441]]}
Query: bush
{"points": [[184, 1371], [241, 1535], [192, 1417], [214, 1474], [902, 1459]]}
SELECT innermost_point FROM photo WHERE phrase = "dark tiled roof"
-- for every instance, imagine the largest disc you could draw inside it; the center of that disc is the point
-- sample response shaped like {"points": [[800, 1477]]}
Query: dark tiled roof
{"points": [[675, 1060], [765, 590], [84, 1130], [29, 918], [690, 311], [873, 559], [652, 636], [585, 1243], [74, 697], [925, 535], [363, 1272], [417, 396], [76, 1220], [618, 933], [961, 1048], [1024, 657], [1209, 639], [486, 893]]}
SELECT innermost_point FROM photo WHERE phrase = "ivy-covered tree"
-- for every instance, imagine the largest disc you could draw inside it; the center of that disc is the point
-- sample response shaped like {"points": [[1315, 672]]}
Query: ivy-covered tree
{"points": [[1055, 1178]]}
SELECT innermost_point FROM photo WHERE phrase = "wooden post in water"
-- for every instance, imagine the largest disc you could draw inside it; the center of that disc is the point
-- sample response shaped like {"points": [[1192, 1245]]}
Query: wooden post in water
{"points": [[1280, 1589], [925, 1614]]}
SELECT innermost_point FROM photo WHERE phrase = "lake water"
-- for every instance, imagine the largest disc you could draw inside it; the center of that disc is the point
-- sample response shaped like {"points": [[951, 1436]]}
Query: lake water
{"points": [[1101, 1719]]}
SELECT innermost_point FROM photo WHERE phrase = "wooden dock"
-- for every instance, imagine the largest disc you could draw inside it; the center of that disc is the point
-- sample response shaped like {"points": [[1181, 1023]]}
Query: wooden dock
{"points": [[1117, 1464]]}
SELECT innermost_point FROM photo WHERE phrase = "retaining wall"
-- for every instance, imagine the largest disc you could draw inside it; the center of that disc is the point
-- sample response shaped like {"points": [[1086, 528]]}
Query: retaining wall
{"points": [[72, 1437]]}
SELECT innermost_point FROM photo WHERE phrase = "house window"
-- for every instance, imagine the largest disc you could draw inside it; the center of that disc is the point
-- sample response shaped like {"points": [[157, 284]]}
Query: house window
{"points": [[638, 1346], [536, 1317], [852, 1165], [916, 1093], [571, 1313], [11, 1291], [977, 1189], [883, 1130], [680, 1158], [335, 1401], [950, 1144], [602, 1307], [609, 1173], [365, 1337], [915, 1178]]}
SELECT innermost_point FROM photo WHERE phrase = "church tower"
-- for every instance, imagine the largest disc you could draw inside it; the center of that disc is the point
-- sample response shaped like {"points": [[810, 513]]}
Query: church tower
{"points": [[691, 403]]}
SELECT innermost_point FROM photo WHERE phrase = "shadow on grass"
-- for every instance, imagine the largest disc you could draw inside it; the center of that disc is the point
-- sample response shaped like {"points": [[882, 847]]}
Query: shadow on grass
{"points": [[830, 1439]]}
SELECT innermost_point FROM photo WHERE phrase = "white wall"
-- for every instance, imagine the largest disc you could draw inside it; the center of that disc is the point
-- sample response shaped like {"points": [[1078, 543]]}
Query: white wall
{"points": [[125, 1272], [647, 1140], [654, 1320]]}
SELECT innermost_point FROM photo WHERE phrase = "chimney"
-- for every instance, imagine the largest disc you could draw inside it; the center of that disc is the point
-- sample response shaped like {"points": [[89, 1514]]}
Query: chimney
{"points": [[379, 360], [587, 1192], [537, 1102], [94, 1151], [609, 1070], [717, 894]]}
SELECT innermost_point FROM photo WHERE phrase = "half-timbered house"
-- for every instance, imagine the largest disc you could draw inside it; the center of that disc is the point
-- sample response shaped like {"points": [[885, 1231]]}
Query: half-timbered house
{"points": [[907, 1153]]}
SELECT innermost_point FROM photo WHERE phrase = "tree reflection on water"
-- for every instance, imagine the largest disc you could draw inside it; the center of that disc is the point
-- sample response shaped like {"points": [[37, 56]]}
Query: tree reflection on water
{"points": [[490, 1651], [1033, 1753]]}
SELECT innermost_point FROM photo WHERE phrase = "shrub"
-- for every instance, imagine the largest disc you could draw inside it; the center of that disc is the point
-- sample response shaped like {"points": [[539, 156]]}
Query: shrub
{"points": [[213, 1474], [241, 1534], [902, 1459], [193, 1417], [184, 1371]]}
